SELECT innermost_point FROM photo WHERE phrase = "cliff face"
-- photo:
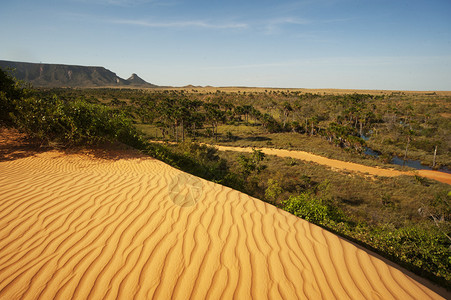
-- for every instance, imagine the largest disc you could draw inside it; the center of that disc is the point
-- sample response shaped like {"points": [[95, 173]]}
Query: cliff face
{"points": [[56, 75]]}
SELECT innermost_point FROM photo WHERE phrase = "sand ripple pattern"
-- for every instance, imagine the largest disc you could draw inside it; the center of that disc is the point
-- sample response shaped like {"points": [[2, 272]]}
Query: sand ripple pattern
{"points": [[74, 227]]}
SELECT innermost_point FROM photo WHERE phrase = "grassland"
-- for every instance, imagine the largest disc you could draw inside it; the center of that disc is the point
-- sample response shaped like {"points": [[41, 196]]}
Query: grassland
{"points": [[325, 91]]}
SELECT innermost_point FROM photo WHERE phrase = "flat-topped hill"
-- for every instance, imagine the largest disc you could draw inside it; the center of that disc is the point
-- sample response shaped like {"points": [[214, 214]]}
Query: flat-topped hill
{"points": [[58, 75]]}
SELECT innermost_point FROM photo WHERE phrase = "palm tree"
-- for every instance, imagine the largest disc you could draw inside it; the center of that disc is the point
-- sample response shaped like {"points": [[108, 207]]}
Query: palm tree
{"points": [[214, 115], [286, 110]]}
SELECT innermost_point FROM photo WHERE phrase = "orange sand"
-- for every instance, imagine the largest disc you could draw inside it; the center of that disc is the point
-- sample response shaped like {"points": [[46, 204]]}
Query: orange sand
{"points": [[342, 165], [75, 226]]}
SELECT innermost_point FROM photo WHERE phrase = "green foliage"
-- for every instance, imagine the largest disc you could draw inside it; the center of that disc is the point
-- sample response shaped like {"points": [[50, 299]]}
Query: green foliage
{"points": [[273, 191], [270, 123], [422, 246], [339, 119], [438, 209], [312, 208], [230, 136], [79, 122], [422, 180], [10, 90], [204, 161], [441, 204], [51, 119], [252, 163], [292, 162], [73, 123], [314, 205]]}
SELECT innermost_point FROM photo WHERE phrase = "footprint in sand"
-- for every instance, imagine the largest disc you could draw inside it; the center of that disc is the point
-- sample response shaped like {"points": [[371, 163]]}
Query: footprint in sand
{"points": [[185, 191]]}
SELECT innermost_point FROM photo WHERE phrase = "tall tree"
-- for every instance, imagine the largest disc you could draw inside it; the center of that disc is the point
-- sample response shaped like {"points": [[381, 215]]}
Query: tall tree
{"points": [[215, 116]]}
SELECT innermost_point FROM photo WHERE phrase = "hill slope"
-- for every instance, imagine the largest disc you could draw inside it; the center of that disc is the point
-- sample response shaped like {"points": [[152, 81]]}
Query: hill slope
{"points": [[57, 75], [136, 80]]}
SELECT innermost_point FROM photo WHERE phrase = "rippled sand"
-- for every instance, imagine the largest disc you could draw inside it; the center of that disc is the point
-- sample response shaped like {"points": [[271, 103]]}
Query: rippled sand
{"points": [[76, 226]]}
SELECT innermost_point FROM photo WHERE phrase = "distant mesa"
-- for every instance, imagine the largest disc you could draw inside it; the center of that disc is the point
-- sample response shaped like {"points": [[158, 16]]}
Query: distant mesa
{"points": [[190, 86], [136, 80], [57, 75]]}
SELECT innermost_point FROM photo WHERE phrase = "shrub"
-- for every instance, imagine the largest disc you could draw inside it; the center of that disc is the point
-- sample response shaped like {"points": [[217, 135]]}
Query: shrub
{"points": [[273, 191], [68, 122], [9, 91], [420, 245], [312, 208], [252, 163], [73, 123]]}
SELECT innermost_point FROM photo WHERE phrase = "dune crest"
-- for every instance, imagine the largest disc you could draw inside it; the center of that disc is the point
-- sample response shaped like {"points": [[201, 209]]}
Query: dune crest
{"points": [[73, 226]]}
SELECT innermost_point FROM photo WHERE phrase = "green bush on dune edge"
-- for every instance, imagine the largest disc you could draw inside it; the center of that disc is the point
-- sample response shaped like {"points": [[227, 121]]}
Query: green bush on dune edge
{"points": [[423, 248]]}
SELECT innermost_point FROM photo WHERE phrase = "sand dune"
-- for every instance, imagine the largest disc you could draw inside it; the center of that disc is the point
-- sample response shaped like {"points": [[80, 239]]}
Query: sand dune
{"points": [[341, 165], [74, 226]]}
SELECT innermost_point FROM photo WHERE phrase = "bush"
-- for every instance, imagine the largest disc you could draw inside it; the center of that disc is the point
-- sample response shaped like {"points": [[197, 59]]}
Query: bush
{"points": [[422, 246], [273, 191], [312, 208], [9, 91], [252, 163], [73, 123], [51, 119]]}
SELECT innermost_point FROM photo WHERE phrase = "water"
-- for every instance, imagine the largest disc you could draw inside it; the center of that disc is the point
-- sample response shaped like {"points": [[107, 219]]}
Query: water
{"points": [[412, 163], [365, 137], [415, 164], [371, 152]]}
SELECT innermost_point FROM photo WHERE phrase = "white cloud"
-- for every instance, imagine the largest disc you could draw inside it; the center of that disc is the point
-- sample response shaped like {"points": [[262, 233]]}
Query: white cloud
{"points": [[273, 26], [290, 20], [127, 3], [182, 24]]}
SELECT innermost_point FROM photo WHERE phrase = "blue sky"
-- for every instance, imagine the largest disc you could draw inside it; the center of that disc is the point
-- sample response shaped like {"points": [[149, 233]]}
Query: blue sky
{"points": [[363, 44]]}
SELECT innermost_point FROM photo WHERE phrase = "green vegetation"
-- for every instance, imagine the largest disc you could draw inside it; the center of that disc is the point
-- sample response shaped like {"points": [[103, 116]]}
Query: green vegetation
{"points": [[51, 119], [406, 218], [336, 126], [65, 121], [422, 245], [311, 208], [253, 163]]}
